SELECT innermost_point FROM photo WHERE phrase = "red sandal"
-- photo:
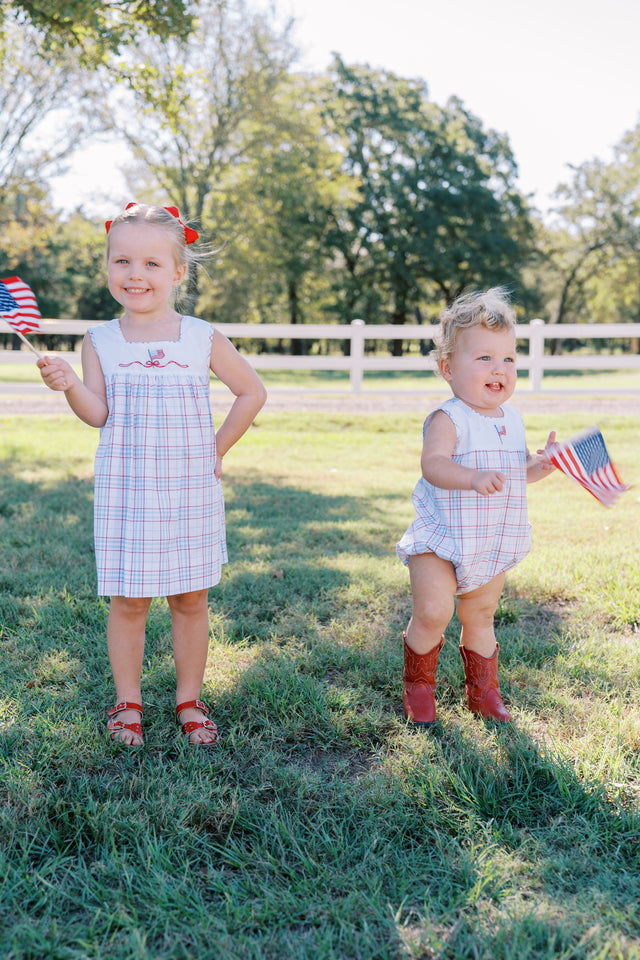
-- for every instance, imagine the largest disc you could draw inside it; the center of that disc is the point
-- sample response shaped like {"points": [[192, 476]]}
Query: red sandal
{"points": [[116, 726], [191, 725]]}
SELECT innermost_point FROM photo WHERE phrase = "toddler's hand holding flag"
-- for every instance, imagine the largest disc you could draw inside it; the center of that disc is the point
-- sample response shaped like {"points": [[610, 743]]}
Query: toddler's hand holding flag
{"points": [[585, 459], [18, 306]]}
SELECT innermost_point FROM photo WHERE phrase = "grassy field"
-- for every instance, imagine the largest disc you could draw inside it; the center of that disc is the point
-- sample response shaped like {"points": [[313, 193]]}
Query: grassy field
{"points": [[323, 827]]}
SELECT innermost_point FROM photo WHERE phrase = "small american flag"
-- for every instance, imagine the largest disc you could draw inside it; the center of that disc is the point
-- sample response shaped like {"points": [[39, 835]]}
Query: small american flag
{"points": [[18, 305], [585, 459]]}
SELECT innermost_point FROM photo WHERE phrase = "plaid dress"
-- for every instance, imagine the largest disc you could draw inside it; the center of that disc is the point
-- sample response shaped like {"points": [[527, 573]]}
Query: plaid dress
{"points": [[481, 536], [158, 509]]}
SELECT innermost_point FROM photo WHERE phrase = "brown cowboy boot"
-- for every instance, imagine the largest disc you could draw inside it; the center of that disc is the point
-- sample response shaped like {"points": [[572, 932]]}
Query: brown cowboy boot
{"points": [[483, 692], [419, 677]]}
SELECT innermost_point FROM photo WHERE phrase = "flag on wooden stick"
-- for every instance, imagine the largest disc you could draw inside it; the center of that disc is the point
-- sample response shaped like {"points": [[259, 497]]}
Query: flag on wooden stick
{"points": [[586, 460], [18, 305]]}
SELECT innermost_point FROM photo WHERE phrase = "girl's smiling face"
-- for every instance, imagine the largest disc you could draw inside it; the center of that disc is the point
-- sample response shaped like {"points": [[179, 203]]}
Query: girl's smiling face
{"points": [[141, 268], [482, 368]]}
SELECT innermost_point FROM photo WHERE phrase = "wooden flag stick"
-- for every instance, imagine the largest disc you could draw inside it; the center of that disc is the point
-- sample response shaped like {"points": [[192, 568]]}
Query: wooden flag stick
{"points": [[30, 345]]}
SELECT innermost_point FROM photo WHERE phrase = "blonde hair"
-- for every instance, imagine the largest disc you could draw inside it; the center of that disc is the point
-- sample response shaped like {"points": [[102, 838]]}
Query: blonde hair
{"points": [[489, 308], [158, 217]]}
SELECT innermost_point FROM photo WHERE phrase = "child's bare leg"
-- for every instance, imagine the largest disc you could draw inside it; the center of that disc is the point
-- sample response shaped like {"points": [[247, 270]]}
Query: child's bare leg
{"points": [[479, 650], [475, 612], [433, 588], [125, 642], [433, 585], [190, 632]]}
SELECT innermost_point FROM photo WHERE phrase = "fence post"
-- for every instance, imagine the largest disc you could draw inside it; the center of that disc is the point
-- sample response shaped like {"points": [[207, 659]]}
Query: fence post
{"points": [[536, 355], [357, 355]]}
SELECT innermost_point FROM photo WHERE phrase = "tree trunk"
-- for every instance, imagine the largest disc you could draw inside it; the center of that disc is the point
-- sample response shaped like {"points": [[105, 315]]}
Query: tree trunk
{"points": [[297, 346], [398, 319], [424, 349]]}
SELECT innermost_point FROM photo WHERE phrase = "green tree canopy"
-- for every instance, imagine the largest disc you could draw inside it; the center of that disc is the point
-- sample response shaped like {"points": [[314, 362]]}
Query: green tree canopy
{"points": [[194, 111], [437, 206], [96, 26], [41, 113], [591, 248], [277, 205]]}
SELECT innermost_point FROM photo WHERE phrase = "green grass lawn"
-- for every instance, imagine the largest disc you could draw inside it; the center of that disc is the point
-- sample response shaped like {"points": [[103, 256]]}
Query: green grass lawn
{"points": [[323, 827]]}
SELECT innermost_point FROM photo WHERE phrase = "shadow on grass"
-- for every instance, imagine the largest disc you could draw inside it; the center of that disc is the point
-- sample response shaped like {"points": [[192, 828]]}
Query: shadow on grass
{"points": [[291, 555], [472, 836], [49, 611], [46, 535], [323, 826], [284, 521]]}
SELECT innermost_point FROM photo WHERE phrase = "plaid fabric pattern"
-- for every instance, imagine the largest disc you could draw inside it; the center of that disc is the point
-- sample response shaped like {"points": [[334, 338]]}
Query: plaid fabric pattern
{"points": [[158, 511], [481, 536]]}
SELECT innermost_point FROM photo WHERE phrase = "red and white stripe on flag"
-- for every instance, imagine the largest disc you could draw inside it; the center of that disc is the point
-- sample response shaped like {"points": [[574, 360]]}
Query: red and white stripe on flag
{"points": [[586, 460], [19, 306]]}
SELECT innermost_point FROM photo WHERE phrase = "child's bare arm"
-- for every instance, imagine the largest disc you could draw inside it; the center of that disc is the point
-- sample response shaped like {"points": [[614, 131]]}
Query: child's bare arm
{"points": [[87, 396], [440, 470], [238, 374]]}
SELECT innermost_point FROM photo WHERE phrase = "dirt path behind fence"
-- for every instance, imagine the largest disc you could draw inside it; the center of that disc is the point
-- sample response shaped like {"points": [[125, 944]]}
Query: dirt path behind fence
{"points": [[30, 399]]}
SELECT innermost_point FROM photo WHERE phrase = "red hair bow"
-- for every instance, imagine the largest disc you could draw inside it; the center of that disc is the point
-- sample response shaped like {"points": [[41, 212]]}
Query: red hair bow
{"points": [[190, 235]]}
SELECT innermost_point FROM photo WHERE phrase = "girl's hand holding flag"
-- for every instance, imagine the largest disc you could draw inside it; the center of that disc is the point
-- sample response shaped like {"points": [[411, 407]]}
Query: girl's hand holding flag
{"points": [[57, 373], [19, 308]]}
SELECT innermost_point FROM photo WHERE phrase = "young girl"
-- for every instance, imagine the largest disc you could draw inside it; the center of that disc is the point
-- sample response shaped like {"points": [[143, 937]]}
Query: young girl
{"points": [[471, 521], [159, 510]]}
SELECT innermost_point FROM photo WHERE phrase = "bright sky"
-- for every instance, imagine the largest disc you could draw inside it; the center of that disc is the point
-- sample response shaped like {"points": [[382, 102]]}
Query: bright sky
{"points": [[560, 77]]}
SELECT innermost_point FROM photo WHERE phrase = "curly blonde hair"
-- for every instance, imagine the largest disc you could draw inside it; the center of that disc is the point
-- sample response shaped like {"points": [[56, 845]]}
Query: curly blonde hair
{"points": [[486, 308]]}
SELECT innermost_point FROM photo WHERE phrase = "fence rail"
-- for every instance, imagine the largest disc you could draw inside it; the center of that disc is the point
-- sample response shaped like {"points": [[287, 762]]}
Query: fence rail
{"points": [[357, 333]]}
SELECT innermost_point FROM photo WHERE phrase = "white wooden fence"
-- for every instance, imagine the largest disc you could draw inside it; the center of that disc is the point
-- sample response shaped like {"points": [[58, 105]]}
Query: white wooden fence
{"points": [[357, 332]]}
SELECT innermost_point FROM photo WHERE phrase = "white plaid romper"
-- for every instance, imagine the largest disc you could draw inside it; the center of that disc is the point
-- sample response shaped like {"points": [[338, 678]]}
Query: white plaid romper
{"points": [[159, 524], [481, 536]]}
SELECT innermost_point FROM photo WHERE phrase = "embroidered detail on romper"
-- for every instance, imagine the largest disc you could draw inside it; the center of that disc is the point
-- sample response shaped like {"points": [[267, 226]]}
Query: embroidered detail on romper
{"points": [[154, 361]]}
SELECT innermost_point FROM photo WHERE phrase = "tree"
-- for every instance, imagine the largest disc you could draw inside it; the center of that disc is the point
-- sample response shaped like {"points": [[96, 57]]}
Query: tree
{"points": [[437, 209], [97, 26], [36, 129], [196, 110], [591, 249], [278, 202]]}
